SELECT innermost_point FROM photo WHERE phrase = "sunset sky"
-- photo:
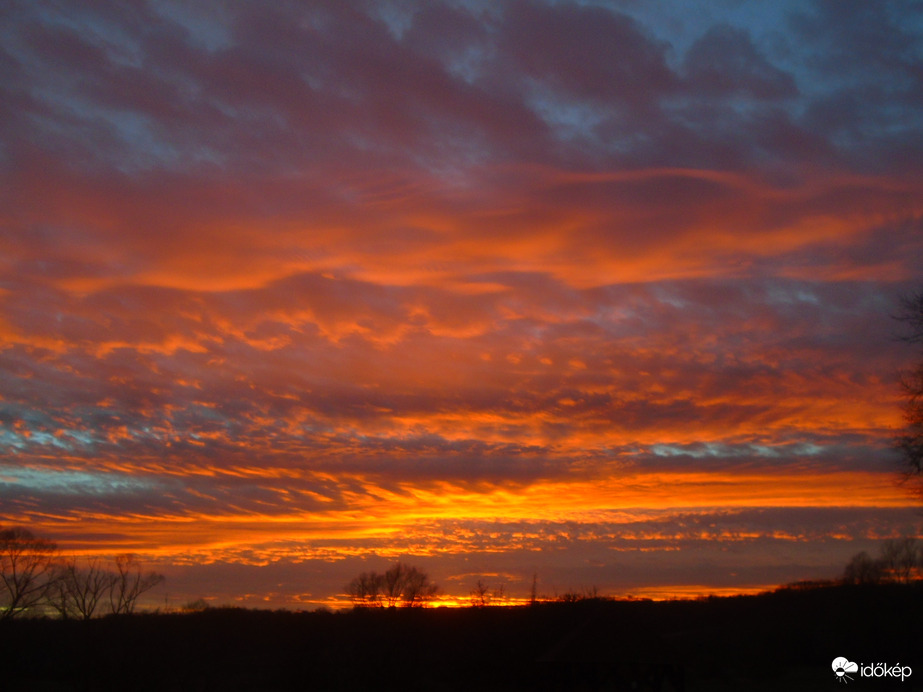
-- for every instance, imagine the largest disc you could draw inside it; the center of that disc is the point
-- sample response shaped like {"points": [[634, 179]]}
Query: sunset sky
{"points": [[600, 292]]}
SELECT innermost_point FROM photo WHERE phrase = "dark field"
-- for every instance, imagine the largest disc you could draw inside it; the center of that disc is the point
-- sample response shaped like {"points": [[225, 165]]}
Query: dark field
{"points": [[780, 641]]}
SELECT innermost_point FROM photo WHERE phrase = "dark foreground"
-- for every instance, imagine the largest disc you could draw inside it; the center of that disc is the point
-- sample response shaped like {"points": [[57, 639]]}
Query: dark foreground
{"points": [[780, 641]]}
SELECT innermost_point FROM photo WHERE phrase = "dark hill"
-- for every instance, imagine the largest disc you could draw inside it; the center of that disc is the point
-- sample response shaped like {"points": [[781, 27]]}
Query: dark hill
{"points": [[785, 640]]}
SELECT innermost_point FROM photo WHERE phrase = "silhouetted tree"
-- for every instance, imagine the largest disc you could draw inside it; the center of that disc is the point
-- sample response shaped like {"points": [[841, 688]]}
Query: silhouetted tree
{"points": [[400, 584], [587, 594], [480, 594], [910, 442], [417, 588], [900, 558], [79, 593], [199, 605], [130, 584], [27, 566], [392, 584], [863, 569], [365, 590]]}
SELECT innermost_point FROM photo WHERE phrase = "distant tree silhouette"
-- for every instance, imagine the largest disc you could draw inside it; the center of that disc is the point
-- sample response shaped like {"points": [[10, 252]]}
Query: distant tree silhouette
{"points": [[365, 589], [863, 569], [480, 594], [900, 560], [196, 606], [130, 584], [392, 584], [590, 594], [417, 588], [399, 585], [27, 565], [910, 442], [80, 593]]}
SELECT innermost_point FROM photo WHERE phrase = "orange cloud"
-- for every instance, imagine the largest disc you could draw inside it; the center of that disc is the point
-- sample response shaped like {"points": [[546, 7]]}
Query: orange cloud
{"points": [[271, 294]]}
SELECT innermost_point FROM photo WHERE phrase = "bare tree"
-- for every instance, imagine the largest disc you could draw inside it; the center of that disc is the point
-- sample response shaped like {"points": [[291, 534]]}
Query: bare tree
{"points": [[586, 594], [480, 594], [400, 584], [899, 558], [79, 593], [863, 569], [392, 585], [26, 570], [130, 583], [365, 590], [417, 589], [199, 605]]}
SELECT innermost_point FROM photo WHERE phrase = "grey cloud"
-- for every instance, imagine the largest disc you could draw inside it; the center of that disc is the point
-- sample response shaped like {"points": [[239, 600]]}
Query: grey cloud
{"points": [[724, 62]]}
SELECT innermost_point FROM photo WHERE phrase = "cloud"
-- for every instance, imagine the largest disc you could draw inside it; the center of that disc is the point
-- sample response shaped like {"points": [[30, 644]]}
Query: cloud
{"points": [[589, 52], [351, 261], [725, 63]]}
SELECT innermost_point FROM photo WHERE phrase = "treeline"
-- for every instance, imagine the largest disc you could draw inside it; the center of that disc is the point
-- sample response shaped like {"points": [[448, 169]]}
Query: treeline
{"points": [[773, 641], [35, 579], [900, 560]]}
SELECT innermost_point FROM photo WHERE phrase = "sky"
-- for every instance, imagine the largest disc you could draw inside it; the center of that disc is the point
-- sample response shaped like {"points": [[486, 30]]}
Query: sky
{"points": [[595, 293]]}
